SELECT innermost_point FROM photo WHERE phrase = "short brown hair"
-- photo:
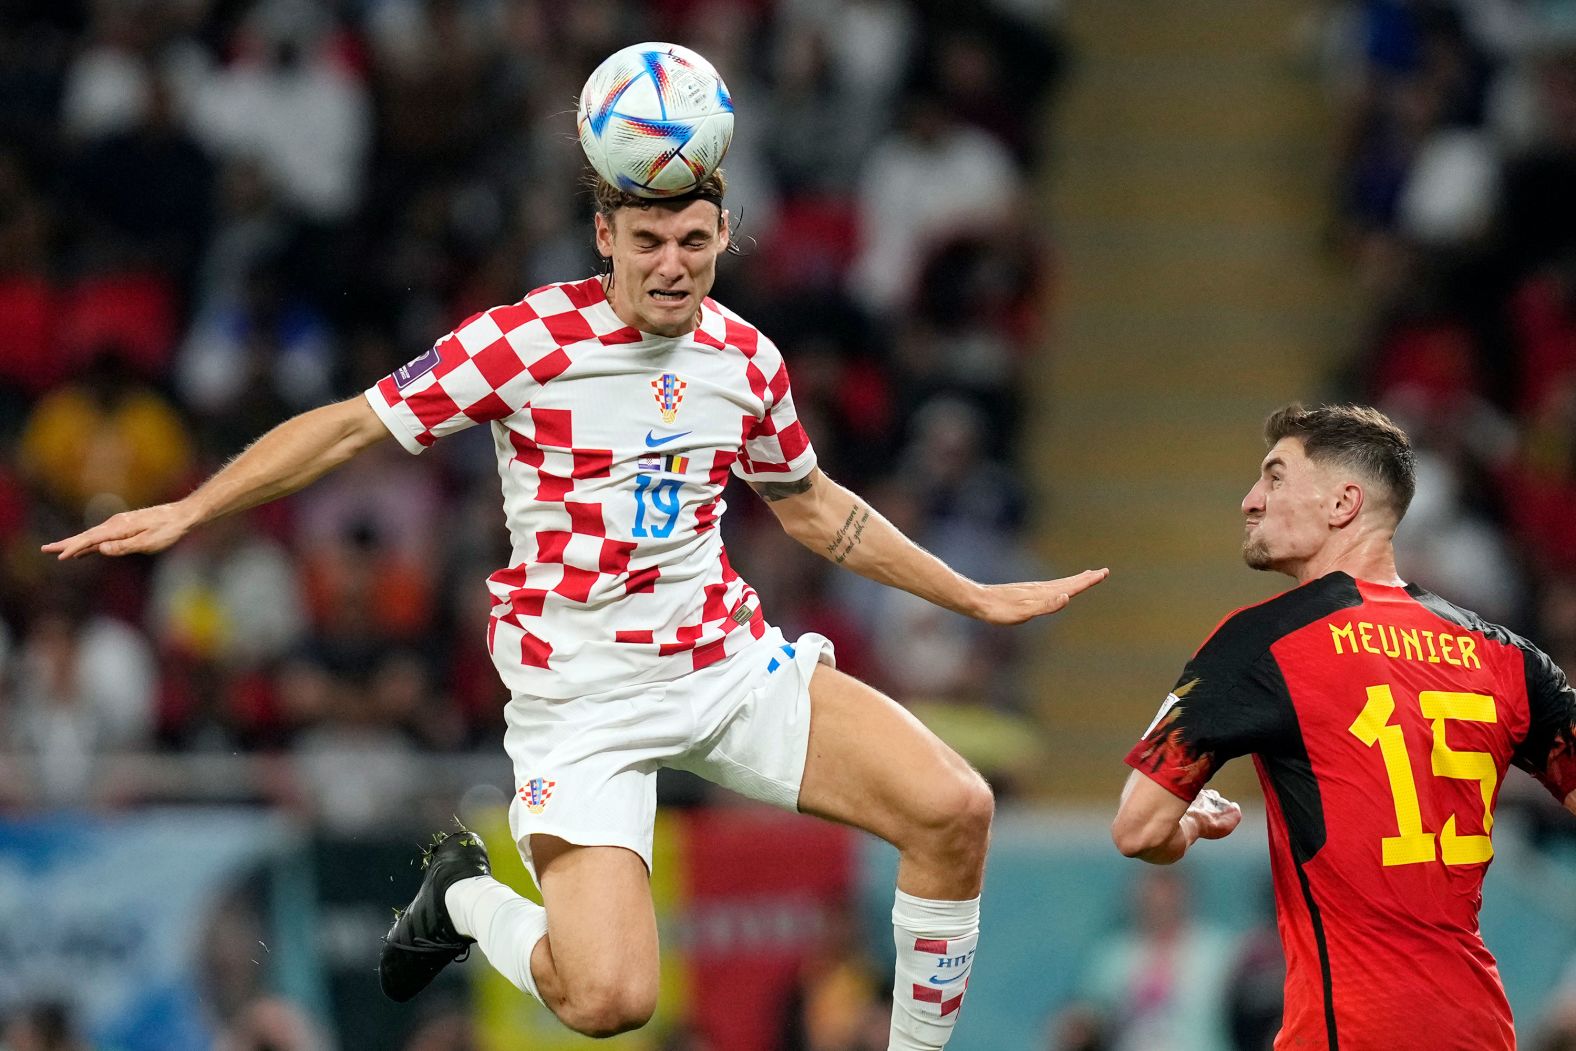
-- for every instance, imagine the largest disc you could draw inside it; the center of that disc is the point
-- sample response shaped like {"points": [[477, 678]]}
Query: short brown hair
{"points": [[610, 198], [1354, 436]]}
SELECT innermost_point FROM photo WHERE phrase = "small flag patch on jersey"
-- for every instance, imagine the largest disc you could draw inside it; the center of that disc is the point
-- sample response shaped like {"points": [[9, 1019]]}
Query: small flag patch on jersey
{"points": [[672, 463], [535, 793], [416, 368], [668, 389]]}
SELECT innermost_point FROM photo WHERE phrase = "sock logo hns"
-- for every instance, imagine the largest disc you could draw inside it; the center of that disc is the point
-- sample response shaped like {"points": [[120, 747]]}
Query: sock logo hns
{"points": [[950, 963]]}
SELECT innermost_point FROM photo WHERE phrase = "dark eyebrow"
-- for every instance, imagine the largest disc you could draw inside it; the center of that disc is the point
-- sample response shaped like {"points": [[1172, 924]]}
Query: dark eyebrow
{"points": [[652, 235], [1272, 463]]}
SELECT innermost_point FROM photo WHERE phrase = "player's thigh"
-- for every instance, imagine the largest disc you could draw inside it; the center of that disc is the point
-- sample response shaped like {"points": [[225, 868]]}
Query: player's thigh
{"points": [[601, 926], [872, 765]]}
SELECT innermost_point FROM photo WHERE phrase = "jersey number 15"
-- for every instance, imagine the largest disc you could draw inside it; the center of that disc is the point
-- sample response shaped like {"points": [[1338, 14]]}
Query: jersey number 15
{"points": [[1414, 846]]}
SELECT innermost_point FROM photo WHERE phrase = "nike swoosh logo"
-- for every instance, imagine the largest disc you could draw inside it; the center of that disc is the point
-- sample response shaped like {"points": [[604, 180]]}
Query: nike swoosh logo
{"points": [[653, 442], [944, 981]]}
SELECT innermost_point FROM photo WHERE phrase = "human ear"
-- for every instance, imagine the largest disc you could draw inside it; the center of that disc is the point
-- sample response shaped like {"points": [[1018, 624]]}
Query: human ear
{"points": [[604, 236], [1349, 498]]}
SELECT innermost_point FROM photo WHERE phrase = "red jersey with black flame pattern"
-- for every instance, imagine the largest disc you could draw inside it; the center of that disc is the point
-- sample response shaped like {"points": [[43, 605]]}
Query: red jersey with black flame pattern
{"points": [[1381, 721]]}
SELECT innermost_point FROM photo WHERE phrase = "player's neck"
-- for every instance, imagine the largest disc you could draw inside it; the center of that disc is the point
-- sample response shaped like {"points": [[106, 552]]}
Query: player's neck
{"points": [[1368, 557]]}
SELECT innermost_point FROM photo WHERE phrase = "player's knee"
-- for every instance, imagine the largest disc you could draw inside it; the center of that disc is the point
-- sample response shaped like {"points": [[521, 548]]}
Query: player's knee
{"points": [[956, 817], [608, 1008], [976, 810]]}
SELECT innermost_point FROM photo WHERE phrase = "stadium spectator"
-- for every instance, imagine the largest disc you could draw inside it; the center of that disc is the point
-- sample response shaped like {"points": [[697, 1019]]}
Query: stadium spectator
{"points": [[254, 359], [355, 765], [104, 442], [41, 1027], [1158, 981], [1254, 991], [271, 1024], [1078, 1026], [1557, 1031], [450, 1031], [231, 597], [836, 995], [84, 688], [906, 200], [147, 188], [290, 99]]}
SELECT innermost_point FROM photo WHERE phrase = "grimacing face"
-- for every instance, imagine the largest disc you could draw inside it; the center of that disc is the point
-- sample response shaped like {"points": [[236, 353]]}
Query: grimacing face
{"points": [[1287, 513], [664, 262]]}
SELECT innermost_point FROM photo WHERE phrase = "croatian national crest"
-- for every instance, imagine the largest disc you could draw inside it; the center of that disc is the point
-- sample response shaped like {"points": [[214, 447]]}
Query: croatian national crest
{"points": [[669, 392], [535, 793]]}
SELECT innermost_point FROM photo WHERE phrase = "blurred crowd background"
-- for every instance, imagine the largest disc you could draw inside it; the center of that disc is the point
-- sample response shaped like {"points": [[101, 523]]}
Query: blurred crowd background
{"points": [[217, 213]]}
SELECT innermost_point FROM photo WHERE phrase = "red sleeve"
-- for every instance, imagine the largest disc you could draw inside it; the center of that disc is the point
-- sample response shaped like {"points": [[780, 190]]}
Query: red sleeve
{"points": [[1548, 752]]}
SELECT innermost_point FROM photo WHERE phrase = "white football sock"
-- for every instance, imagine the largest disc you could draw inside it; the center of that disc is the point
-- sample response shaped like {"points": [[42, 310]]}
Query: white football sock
{"points": [[505, 925], [935, 952]]}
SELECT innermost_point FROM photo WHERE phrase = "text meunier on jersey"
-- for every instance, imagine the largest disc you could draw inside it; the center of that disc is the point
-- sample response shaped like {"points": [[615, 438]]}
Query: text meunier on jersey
{"points": [[1409, 644]]}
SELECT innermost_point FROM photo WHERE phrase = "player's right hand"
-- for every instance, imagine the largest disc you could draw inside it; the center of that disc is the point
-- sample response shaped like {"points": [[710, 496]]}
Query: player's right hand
{"points": [[1215, 816], [1016, 603], [142, 531]]}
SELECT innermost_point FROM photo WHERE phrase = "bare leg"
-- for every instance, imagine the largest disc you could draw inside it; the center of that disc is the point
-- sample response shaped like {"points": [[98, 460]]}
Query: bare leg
{"points": [[597, 968], [873, 765]]}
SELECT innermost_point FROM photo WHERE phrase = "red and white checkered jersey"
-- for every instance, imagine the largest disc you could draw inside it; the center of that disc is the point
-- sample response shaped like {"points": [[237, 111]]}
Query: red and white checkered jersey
{"points": [[613, 446]]}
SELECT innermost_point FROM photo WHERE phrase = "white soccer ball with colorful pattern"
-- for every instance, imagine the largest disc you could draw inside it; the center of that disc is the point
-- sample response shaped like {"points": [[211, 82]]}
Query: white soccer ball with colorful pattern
{"points": [[655, 119]]}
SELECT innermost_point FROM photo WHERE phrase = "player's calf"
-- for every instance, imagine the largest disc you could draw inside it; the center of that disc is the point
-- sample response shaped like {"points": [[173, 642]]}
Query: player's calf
{"points": [[936, 914]]}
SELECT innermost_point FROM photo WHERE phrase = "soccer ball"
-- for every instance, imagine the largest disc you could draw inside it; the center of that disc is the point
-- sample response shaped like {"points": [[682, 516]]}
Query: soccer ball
{"points": [[655, 119]]}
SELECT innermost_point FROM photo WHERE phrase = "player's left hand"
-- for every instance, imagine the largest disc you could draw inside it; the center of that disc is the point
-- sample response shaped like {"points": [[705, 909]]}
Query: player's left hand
{"points": [[1016, 603]]}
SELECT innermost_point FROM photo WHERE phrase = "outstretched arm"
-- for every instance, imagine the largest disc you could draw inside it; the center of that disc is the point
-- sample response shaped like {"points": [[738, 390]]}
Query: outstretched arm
{"points": [[1155, 826], [835, 523], [292, 455]]}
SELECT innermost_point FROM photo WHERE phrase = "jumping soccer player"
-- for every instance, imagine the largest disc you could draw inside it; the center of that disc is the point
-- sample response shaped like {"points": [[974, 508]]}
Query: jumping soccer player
{"points": [[1381, 719], [618, 406]]}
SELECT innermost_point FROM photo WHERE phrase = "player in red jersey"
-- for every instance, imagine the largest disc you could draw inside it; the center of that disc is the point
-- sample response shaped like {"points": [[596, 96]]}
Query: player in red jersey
{"points": [[1381, 719]]}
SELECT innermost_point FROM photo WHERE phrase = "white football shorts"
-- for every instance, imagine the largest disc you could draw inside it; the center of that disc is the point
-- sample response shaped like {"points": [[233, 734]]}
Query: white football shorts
{"points": [[585, 768]]}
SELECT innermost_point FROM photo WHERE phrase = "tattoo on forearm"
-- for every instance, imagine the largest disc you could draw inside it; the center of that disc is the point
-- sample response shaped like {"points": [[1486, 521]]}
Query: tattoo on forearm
{"points": [[781, 490], [848, 534]]}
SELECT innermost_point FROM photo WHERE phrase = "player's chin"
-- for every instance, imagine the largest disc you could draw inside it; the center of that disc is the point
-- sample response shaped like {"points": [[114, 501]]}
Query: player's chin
{"points": [[1256, 554]]}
